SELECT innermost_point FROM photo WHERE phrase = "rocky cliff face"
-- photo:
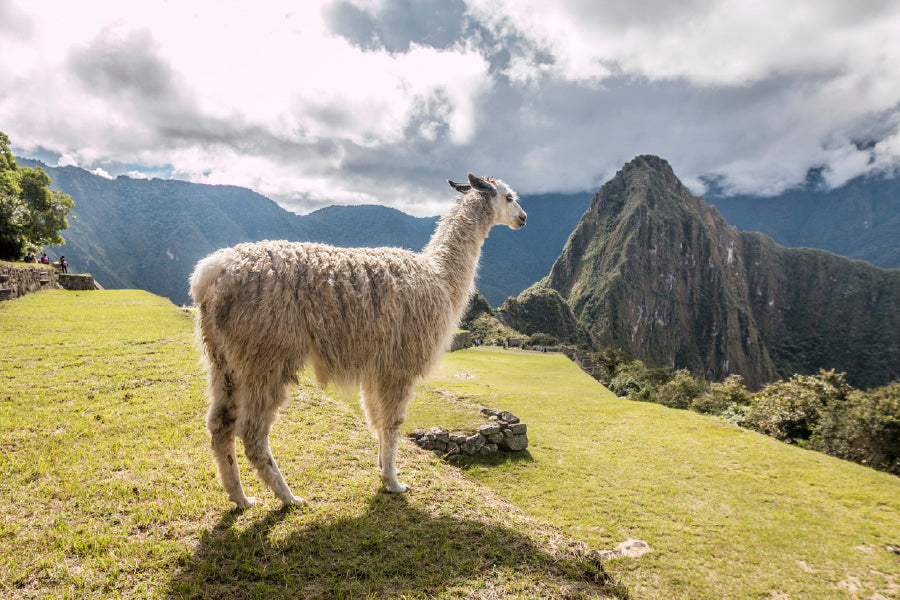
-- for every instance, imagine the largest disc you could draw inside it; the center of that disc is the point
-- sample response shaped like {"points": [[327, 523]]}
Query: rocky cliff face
{"points": [[655, 270]]}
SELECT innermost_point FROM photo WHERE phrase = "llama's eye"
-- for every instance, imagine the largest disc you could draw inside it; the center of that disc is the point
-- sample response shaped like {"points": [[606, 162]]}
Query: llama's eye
{"points": [[509, 198]]}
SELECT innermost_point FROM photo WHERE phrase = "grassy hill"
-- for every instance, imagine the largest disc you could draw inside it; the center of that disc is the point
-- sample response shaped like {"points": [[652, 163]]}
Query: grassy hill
{"points": [[109, 489], [729, 513]]}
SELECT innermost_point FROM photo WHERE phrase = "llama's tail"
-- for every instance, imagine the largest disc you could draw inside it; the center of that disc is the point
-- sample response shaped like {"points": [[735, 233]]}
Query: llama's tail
{"points": [[207, 272]]}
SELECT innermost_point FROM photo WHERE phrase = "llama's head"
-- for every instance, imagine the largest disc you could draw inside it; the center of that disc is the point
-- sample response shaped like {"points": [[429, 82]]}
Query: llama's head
{"points": [[503, 199]]}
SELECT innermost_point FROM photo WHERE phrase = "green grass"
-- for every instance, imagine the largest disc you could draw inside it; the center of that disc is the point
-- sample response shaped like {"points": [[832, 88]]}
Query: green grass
{"points": [[25, 265], [108, 488], [729, 513]]}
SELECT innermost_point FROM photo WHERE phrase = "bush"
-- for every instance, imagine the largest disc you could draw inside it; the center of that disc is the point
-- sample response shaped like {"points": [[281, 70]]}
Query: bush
{"points": [[722, 396], [636, 382], [864, 429], [681, 391], [791, 410], [735, 414], [624, 384]]}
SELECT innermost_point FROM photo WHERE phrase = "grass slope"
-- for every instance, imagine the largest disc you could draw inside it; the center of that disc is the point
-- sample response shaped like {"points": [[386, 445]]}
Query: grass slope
{"points": [[729, 513], [108, 488]]}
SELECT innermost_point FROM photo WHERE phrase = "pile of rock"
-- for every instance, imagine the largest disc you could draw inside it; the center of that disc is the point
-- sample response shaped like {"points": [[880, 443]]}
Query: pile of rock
{"points": [[505, 433]]}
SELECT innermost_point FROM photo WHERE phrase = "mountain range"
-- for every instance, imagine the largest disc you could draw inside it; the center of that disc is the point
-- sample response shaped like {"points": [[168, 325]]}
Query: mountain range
{"points": [[643, 264], [149, 233], [860, 219]]}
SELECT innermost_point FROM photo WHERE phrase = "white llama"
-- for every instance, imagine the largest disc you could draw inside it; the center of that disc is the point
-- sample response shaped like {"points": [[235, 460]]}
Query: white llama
{"points": [[377, 318]]}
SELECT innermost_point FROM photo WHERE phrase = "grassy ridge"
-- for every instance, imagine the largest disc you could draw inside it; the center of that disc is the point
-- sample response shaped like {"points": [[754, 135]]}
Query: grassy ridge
{"points": [[729, 513], [108, 488]]}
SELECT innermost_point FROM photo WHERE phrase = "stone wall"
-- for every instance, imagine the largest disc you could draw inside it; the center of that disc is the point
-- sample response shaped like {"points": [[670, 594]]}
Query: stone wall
{"points": [[462, 339], [78, 282], [18, 281], [583, 358], [504, 433]]}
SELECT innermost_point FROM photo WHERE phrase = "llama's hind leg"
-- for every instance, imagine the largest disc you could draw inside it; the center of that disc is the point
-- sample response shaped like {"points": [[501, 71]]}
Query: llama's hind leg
{"points": [[253, 428], [385, 407], [220, 420], [388, 439]]}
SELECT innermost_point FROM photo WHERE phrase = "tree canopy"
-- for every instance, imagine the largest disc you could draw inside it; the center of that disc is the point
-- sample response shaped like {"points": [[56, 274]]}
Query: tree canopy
{"points": [[31, 214]]}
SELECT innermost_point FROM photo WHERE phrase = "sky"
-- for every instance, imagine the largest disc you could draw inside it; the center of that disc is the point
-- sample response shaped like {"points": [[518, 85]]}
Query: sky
{"points": [[381, 101]]}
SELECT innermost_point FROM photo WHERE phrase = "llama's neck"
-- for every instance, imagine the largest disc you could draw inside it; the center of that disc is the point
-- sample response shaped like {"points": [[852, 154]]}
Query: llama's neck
{"points": [[456, 244]]}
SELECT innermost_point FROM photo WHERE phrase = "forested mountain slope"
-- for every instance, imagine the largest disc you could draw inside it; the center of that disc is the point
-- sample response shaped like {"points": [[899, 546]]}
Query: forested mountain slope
{"points": [[655, 270]]}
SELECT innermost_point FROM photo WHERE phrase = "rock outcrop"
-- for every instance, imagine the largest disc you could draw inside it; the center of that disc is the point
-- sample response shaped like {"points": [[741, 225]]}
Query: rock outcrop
{"points": [[504, 433]]}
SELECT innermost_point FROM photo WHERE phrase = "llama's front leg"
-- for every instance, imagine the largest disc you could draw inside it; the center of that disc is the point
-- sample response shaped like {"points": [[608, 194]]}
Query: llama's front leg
{"points": [[385, 405], [388, 439]]}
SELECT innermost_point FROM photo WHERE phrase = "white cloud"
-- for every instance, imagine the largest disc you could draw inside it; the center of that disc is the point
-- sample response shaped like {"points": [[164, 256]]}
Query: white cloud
{"points": [[550, 96], [709, 42], [67, 160], [101, 172]]}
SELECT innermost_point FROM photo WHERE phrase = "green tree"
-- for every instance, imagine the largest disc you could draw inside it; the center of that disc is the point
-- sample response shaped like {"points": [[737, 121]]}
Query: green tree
{"points": [[31, 214]]}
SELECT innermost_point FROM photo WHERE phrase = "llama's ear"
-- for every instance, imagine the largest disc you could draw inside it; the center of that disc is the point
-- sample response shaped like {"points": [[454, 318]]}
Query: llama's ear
{"points": [[462, 188], [480, 184]]}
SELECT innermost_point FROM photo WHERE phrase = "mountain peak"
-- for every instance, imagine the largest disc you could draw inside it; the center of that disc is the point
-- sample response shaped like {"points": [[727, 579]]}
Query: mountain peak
{"points": [[647, 181], [649, 162], [653, 269]]}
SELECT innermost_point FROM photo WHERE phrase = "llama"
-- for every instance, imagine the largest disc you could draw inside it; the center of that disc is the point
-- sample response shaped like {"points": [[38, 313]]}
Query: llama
{"points": [[371, 318]]}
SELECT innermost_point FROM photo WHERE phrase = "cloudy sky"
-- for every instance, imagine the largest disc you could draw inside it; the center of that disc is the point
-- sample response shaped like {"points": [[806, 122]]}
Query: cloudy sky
{"points": [[380, 101]]}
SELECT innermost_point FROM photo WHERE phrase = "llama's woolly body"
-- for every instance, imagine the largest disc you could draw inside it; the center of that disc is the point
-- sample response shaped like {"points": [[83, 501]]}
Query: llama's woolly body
{"points": [[374, 318]]}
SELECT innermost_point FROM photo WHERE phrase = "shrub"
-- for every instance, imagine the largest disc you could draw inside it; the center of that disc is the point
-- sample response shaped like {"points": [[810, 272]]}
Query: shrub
{"points": [[864, 429], [611, 359], [722, 396], [636, 382], [624, 384], [735, 414], [680, 391], [791, 410]]}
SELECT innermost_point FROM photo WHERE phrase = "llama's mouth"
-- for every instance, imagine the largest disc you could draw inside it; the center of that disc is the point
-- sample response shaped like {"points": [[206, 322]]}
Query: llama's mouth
{"points": [[520, 222]]}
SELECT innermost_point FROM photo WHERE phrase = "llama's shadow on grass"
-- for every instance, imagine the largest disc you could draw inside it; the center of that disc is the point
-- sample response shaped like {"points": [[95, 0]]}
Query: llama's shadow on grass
{"points": [[390, 549], [493, 460]]}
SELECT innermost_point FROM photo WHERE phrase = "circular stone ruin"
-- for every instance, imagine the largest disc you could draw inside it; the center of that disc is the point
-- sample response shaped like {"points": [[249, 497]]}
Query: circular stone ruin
{"points": [[504, 433]]}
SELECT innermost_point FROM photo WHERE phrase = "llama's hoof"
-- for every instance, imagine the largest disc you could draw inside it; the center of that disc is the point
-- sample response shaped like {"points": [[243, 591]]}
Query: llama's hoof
{"points": [[246, 502], [398, 488], [296, 501]]}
